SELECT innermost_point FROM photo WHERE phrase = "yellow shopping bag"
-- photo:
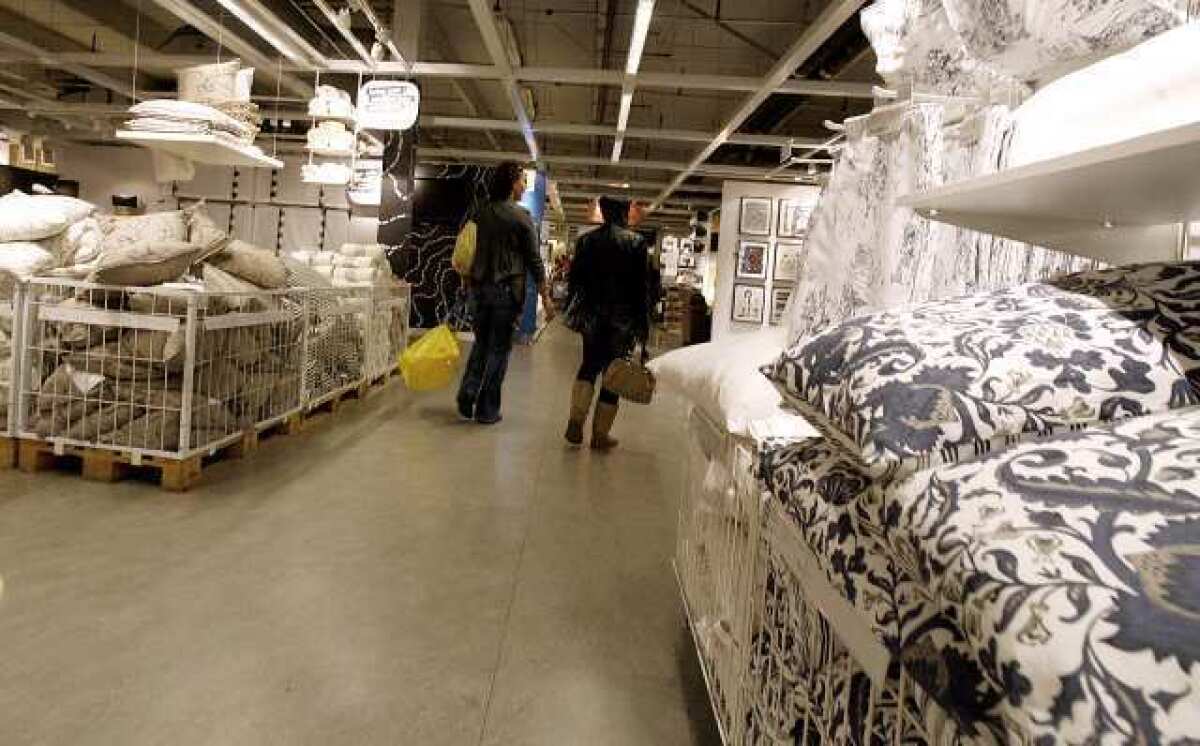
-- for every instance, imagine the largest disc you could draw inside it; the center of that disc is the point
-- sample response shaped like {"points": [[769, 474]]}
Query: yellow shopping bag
{"points": [[431, 362]]}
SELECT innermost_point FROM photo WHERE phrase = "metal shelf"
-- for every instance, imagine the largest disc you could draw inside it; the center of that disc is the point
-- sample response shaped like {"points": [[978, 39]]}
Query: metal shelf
{"points": [[1105, 202], [208, 149]]}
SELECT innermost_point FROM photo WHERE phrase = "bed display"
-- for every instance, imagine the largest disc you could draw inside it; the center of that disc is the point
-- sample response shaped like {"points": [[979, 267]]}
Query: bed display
{"points": [[947, 380]]}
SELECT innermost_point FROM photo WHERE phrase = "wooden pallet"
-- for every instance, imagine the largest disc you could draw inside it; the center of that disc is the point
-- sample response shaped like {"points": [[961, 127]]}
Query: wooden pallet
{"points": [[8, 453], [333, 404], [175, 475]]}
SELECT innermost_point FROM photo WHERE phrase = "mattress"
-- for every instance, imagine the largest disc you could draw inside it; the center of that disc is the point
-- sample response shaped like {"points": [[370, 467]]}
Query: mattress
{"points": [[1051, 590]]}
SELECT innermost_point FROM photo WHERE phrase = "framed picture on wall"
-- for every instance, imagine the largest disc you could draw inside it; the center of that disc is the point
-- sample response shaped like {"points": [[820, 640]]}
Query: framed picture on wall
{"points": [[756, 216], [748, 303], [686, 260], [788, 255], [779, 301], [793, 218], [752, 260]]}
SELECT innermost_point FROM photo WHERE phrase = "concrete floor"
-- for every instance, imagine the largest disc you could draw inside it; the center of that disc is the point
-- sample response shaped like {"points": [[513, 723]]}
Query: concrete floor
{"points": [[391, 577]]}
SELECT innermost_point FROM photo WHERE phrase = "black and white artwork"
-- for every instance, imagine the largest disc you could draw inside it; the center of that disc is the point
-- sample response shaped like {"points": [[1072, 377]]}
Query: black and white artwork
{"points": [[788, 255], [752, 260], [756, 216], [793, 218], [779, 301], [749, 302]]}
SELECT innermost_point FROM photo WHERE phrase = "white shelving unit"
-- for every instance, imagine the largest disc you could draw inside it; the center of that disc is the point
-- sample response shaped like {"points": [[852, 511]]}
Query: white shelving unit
{"points": [[1119, 202], [208, 149]]}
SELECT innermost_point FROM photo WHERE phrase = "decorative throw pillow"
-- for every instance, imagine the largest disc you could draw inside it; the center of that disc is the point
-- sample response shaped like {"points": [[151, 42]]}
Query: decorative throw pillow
{"points": [[25, 217], [148, 262], [24, 258], [722, 380], [251, 264], [233, 293], [940, 381], [202, 231], [120, 231], [209, 83]]}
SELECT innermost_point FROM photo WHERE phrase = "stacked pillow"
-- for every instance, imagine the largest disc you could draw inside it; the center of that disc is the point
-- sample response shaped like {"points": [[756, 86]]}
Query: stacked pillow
{"points": [[938, 382]]}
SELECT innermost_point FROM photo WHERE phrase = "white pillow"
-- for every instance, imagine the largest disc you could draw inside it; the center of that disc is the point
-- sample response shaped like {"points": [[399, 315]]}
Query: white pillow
{"points": [[24, 258], [1153, 87], [26, 217], [723, 380]]}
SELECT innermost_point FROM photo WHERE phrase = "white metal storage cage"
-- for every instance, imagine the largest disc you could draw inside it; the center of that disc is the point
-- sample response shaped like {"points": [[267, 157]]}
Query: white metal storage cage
{"points": [[387, 333], [717, 545], [178, 372], [10, 346], [335, 342], [170, 373]]}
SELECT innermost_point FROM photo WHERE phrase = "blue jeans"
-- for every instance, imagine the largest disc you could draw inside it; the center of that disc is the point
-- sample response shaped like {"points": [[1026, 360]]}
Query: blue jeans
{"points": [[496, 312]]}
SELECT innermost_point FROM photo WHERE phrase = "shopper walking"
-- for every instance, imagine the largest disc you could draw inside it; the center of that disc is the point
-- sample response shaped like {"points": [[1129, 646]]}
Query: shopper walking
{"points": [[609, 305], [506, 254]]}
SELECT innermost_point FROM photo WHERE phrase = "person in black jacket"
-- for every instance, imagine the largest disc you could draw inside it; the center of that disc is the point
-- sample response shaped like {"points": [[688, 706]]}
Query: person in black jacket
{"points": [[506, 253], [609, 302]]}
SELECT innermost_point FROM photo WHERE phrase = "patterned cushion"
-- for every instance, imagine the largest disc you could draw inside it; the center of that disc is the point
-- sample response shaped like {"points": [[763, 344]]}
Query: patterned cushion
{"points": [[1072, 565], [1028, 39], [124, 230], [145, 263], [938, 381]]}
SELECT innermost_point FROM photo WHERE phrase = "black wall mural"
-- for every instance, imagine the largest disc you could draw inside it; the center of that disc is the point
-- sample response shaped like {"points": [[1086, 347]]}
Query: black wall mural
{"points": [[443, 197], [396, 199]]}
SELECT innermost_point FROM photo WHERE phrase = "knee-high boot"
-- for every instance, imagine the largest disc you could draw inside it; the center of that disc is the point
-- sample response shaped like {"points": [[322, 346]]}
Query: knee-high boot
{"points": [[602, 422], [581, 403]]}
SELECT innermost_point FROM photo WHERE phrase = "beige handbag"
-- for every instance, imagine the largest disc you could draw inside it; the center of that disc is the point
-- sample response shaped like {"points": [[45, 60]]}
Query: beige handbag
{"points": [[631, 380]]}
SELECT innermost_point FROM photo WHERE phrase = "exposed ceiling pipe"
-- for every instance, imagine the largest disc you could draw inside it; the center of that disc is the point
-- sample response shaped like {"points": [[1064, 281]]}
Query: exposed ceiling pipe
{"points": [[486, 23], [343, 26], [215, 30], [811, 39]]}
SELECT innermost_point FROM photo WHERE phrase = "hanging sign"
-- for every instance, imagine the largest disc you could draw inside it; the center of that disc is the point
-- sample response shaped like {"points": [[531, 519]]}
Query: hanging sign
{"points": [[388, 105]]}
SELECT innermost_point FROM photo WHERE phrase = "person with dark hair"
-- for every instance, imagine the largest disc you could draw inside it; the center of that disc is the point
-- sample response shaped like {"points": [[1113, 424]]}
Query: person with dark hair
{"points": [[609, 302], [506, 253]]}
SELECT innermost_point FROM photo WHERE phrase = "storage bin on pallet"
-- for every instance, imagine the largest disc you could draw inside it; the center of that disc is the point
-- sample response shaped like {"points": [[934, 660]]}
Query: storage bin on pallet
{"points": [[717, 547], [388, 330], [156, 372], [337, 321], [10, 346]]}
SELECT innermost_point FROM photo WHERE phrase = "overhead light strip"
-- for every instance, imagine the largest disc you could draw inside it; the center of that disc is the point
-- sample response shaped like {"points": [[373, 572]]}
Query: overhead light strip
{"points": [[637, 45], [275, 32]]}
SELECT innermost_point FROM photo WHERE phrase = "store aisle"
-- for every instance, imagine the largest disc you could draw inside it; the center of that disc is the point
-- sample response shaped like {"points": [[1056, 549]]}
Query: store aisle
{"points": [[395, 577]]}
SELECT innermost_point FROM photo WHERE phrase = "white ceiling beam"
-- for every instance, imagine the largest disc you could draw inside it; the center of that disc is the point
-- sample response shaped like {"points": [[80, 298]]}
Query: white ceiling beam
{"points": [[603, 130], [346, 32], [187, 12], [716, 170], [274, 31], [572, 76], [486, 22], [831, 19], [47, 58], [617, 184]]}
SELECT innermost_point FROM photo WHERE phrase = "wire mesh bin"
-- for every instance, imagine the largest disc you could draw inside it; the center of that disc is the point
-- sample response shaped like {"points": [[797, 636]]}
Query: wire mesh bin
{"points": [[335, 342], [387, 332], [154, 371], [10, 347], [717, 546]]}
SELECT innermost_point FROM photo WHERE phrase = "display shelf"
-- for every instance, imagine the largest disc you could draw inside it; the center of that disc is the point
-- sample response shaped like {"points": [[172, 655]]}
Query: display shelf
{"points": [[1094, 202], [202, 149], [349, 121]]}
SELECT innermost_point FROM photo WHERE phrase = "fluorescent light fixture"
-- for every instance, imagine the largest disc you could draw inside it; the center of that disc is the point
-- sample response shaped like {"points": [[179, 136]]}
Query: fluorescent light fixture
{"points": [[637, 42], [618, 144], [623, 116]]}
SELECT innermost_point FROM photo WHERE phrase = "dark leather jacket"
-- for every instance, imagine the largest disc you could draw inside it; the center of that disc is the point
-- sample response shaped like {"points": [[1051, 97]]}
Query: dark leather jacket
{"points": [[506, 248], [610, 283]]}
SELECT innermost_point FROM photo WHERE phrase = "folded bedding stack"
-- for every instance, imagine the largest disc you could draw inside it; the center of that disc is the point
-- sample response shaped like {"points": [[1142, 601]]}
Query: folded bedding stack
{"points": [[331, 103], [225, 86], [331, 137], [188, 118], [352, 265]]}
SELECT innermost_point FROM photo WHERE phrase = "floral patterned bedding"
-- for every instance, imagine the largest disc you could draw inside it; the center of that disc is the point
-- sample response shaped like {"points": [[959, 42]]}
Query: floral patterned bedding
{"points": [[1051, 590]]}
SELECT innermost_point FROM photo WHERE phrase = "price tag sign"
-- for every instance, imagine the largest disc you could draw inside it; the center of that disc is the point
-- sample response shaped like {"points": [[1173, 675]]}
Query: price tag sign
{"points": [[388, 105]]}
